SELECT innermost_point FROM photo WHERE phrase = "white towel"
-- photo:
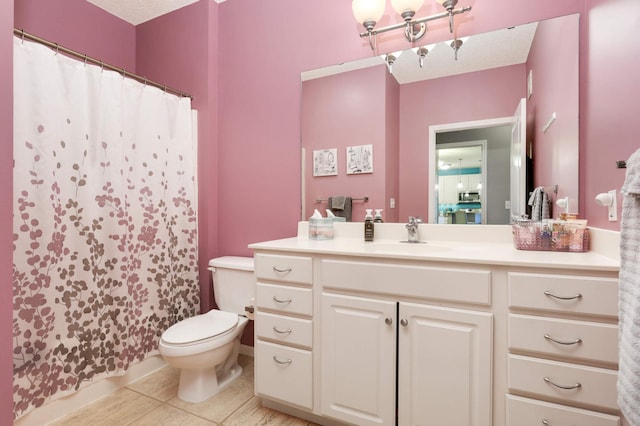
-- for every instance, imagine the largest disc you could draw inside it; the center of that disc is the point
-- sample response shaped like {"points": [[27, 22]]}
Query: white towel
{"points": [[629, 295]]}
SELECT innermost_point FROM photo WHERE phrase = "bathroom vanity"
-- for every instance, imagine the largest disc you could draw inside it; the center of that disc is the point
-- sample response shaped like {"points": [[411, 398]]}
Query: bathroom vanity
{"points": [[461, 330]]}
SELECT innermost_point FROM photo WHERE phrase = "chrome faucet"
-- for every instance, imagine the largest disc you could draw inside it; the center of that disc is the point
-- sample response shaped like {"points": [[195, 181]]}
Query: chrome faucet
{"points": [[412, 228]]}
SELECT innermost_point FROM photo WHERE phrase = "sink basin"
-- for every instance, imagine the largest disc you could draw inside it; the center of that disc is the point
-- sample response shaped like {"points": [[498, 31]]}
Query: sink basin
{"points": [[406, 247]]}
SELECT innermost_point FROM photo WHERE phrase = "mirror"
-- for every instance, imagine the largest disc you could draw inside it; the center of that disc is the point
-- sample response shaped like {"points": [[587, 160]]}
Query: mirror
{"points": [[399, 118]]}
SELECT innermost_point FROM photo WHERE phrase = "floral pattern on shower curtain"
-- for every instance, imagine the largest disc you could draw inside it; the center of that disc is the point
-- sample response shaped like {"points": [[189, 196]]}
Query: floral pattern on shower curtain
{"points": [[105, 223]]}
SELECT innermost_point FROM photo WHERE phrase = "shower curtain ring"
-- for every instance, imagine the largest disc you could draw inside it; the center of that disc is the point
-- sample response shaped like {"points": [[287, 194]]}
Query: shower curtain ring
{"points": [[124, 73], [101, 65], [22, 36], [85, 59], [57, 48]]}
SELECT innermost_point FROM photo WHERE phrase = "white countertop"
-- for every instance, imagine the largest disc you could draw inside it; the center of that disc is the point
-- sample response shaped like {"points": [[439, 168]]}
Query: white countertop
{"points": [[475, 244]]}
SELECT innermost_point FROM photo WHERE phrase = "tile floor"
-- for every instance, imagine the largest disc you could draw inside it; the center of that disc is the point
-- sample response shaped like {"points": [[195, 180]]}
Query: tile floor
{"points": [[153, 401]]}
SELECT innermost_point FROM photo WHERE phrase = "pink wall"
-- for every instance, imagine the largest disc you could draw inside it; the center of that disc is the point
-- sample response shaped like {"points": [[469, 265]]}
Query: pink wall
{"points": [[6, 212], [554, 62], [170, 57], [468, 97], [259, 96], [609, 102], [343, 110], [80, 26], [392, 145]]}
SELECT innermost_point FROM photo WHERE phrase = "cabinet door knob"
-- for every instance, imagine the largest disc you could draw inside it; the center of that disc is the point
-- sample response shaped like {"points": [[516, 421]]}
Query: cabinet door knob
{"points": [[388, 321], [548, 293], [404, 322], [563, 342], [566, 387]]}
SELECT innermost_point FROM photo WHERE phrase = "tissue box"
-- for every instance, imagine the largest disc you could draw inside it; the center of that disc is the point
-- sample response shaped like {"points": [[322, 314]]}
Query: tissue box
{"points": [[321, 228]]}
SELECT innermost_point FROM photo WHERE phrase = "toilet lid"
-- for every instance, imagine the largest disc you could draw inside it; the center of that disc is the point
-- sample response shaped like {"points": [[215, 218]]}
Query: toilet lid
{"points": [[200, 327]]}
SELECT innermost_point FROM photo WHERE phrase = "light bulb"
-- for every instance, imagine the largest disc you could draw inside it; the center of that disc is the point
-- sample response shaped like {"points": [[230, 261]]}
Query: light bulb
{"points": [[368, 10]]}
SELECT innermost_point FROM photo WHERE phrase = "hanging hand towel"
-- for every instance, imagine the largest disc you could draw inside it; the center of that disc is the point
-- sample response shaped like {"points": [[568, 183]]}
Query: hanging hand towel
{"points": [[535, 201], [629, 295], [337, 202], [344, 210]]}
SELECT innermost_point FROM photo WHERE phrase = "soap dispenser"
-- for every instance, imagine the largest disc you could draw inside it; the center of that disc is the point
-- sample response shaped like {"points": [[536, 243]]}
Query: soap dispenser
{"points": [[368, 226], [378, 217]]}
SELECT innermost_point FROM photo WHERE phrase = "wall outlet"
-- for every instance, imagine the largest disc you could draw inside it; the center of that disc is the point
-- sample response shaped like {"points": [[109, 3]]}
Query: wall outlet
{"points": [[507, 205], [392, 203]]}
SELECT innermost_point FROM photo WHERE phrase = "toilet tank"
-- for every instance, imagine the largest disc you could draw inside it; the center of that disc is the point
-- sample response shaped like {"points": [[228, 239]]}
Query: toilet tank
{"points": [[234, 285]]}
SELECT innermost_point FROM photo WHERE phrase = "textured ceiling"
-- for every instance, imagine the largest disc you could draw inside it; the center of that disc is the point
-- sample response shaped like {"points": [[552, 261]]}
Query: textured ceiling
{"points": [[138, 11]]}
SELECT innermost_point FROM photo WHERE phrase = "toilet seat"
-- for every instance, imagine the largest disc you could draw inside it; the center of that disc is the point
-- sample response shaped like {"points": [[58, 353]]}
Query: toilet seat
{"points": [[200, 328]]}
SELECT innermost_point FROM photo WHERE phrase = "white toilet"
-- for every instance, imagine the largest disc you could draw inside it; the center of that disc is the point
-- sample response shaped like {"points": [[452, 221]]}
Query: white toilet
{"points": [[206, 347]]}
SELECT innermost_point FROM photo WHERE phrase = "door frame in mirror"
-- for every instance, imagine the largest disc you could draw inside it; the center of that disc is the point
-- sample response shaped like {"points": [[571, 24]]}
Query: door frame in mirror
{"points": [[452, 127]]}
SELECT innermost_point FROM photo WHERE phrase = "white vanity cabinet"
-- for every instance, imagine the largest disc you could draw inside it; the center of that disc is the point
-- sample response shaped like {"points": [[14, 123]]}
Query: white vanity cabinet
{"points": [[563, 340], [453, 333], [284, 329], [386, 355]]}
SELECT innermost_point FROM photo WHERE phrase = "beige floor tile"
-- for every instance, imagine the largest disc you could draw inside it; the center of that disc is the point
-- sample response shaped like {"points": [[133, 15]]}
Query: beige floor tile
{"points": [[117, 409], [170, 416], [246, 362], [162, 384], [221, 405], [253, 413]]}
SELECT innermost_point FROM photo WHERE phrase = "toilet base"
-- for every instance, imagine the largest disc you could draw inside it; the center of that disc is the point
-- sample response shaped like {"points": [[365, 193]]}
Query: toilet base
{"points": [[199, 385]]}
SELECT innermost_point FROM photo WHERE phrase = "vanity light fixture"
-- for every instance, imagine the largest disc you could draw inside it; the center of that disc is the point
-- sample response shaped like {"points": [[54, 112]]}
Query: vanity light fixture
{"points": [[456, 44], [422, 53], [369, 12], [390, 58]]}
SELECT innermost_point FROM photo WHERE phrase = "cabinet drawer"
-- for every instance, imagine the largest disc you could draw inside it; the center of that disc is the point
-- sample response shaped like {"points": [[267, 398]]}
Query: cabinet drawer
{"points": [[284, 373], [564, 293], [575, 339], [282, 298], [450, 284], [531, 412], [293, 269], [294, 331], [597, 386]]}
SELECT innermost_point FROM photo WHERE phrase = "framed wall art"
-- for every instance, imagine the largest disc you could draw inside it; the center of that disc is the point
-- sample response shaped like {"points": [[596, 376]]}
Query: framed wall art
{"points": [[359, 159], [325, 162]]}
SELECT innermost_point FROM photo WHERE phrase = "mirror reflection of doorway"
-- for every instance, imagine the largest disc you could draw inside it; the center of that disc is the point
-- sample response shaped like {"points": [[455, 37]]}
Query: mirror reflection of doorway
{"points": [[461, 178]]}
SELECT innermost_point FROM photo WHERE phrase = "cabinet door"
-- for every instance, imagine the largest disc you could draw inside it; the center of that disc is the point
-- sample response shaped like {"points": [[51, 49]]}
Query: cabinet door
{"points": [[444, 366], [358, 359]]}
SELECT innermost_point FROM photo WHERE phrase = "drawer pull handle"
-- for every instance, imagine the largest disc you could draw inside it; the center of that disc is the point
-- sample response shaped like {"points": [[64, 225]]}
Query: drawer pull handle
{"points": [[275, 299], [561, 342], [288, 269], [286, 362], [277, 330], [546, 422], [570, 387], [577, 296]]}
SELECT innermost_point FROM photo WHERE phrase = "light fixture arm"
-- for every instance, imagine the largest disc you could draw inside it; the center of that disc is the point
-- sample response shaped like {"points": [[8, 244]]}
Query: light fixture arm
{"points": [[410, 25]]}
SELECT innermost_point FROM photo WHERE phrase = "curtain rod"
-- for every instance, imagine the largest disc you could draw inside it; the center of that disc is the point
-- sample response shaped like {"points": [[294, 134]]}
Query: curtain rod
{"points": [[22, 34]]}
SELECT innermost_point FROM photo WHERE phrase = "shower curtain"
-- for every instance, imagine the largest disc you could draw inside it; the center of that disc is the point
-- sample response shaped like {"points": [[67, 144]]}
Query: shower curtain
{"points": [[105, 223]]}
